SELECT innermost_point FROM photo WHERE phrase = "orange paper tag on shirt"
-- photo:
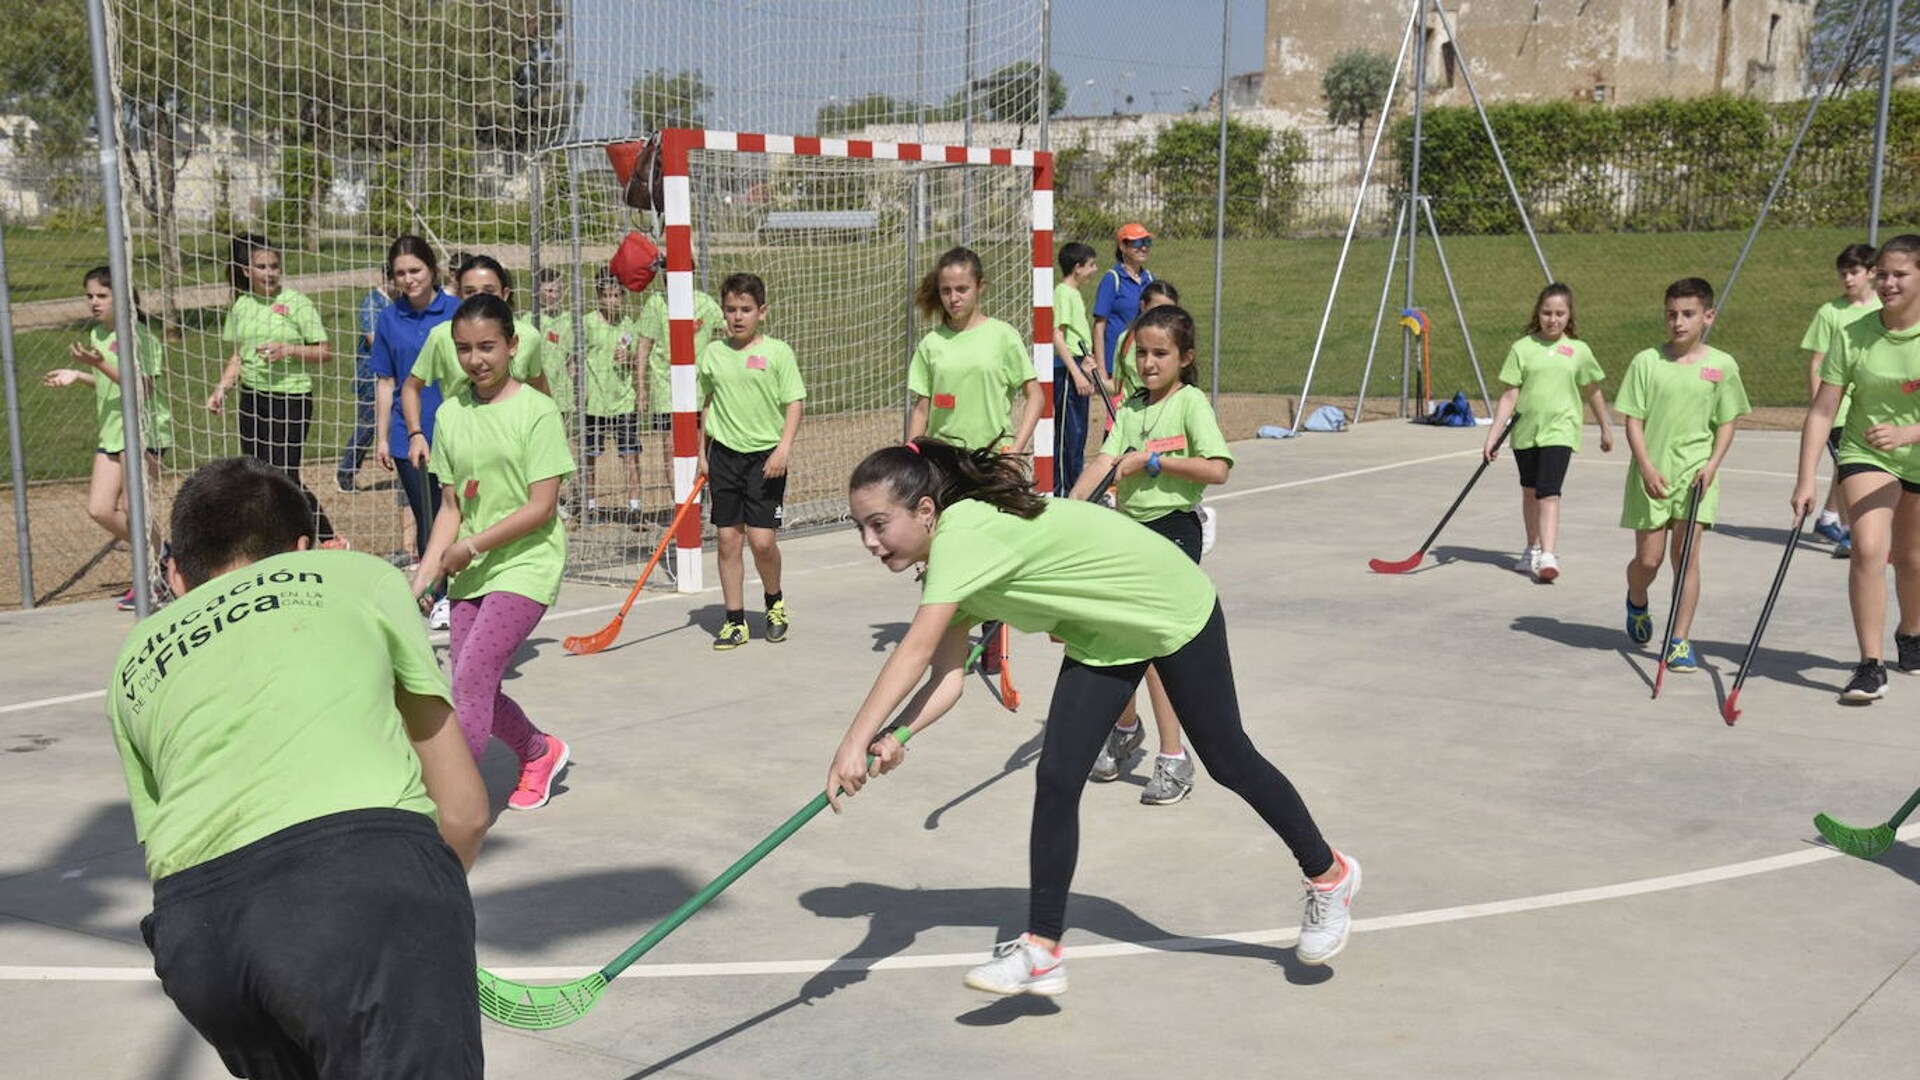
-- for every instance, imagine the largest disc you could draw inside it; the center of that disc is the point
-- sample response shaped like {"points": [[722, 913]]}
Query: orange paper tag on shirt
{"points": [[1710, 374], [553, 336], [279, 309], [943, 401], [472, 491], [756, 362], [114, 348], [1565, 350], [1911, 386], [1167, 445]]}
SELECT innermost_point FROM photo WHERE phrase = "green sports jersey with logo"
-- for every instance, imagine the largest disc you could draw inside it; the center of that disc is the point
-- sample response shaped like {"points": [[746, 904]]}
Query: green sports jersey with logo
{"points": [[970, 378], [1680, 406], [746, 392], [556, 350], [264, 698], [709, 324], [1833, 317], [156, 422], [610, 390], [1070, 318], [287, 317], [488, 454], [1552, 376], [1110, 588], [1881, 368], [1180, 425], [439, 363]]}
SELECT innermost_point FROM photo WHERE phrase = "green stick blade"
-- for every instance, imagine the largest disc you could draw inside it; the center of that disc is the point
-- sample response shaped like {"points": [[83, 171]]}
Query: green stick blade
{"points": [[537, 1008], [1857, 842]]}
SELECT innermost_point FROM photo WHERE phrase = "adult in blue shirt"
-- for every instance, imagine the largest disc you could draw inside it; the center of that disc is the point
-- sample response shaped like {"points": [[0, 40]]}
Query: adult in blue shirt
{"points": [[1118, 299], [378, 299], [397, 337]]}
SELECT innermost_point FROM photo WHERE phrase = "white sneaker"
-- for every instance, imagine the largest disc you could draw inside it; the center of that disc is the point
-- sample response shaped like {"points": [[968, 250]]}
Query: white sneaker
{"points": [[1209, 528], [1547, 568], [1528, 562], [441, 616], [1326, 916], [1021, 967]]}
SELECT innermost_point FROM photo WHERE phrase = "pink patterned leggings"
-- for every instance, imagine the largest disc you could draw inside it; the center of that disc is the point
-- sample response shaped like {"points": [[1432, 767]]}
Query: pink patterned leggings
{"points": [[487, 631]]}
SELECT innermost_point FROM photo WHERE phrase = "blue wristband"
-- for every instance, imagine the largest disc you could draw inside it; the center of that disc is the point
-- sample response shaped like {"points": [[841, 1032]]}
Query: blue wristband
{"points": [[1153, 463]]}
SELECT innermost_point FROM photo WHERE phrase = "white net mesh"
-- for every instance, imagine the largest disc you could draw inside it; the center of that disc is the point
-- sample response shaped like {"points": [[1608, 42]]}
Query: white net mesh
{"points": [[332, 126]]}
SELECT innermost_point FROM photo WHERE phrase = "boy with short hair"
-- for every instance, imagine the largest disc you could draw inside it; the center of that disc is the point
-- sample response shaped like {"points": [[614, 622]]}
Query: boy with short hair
{"points": [[556, 335], [611, 388], [655, 360], [753, 398], [1681, 402], [307, 909], [1074, 378], [1857, 299]]}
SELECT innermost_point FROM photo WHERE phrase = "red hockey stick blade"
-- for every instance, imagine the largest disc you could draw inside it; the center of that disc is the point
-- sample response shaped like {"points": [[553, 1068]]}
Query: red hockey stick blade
{"points": [[1659, 677], [1730, 711], [1382, 566]]}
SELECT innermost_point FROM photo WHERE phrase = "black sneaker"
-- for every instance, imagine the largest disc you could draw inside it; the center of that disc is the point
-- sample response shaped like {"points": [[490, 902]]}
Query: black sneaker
{"points": [[1869, 683], [1909, 646]]}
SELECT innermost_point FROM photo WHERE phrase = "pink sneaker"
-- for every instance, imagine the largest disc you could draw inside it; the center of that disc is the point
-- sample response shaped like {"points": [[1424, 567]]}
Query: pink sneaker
{"points": [[537, 776]]}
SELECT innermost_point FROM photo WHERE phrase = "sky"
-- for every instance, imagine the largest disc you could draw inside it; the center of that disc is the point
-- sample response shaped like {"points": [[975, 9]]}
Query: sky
{"points": [[1165, 54]]}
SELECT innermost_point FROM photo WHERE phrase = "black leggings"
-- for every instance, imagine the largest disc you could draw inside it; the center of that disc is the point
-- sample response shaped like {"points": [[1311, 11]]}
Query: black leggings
{"points": [[1199, 680], [273, 431]]}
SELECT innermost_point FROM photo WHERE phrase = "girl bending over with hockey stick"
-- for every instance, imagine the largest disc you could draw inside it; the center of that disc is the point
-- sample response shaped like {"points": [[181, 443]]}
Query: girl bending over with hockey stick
{"points": [[1121, 598]]}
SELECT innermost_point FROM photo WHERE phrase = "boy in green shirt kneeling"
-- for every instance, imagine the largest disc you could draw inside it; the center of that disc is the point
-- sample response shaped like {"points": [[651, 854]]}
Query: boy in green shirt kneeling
{"points": [[753, 398], [1681, 402]]}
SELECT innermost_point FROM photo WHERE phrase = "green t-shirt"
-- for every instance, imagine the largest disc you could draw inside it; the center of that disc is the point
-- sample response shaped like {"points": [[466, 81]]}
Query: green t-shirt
{"points": [[1834, 316], [1680, 406], [264, 698], [609, 386], [1113, 590], [289, 318], [969, 379], [1070, 318], [746, 392], [157, 420], [1126, 372], [1881, 368], [709, 324], [488, 454], [1180, 425], [1551, 375], [556, 350], [438, 363]]}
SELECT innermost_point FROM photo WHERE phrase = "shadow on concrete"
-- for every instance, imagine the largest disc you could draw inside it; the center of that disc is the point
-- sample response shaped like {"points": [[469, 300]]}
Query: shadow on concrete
{"points": [[888, 634], [1447, 553], [1023, 755], [542, 916], [84, 880]]}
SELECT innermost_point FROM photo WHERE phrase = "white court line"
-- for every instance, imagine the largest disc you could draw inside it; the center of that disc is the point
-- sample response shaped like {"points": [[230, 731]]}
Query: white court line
{"points": [[42, 703], [1282, 936], [1337, 476]]}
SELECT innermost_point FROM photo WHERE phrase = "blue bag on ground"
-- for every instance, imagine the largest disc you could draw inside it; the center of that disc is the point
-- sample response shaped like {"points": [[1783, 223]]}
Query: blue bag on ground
{"points": [[1455, 413], [1327, 418]]}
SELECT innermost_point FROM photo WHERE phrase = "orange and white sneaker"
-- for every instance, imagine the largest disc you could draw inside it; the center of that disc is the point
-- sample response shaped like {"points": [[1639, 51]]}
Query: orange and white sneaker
{"points": [[537, 776], [1326, 915], [1021, 966]]}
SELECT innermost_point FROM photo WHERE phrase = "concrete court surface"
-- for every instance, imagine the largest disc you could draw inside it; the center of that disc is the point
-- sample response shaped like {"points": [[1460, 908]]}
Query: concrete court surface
{"points": [[1563, 878]]}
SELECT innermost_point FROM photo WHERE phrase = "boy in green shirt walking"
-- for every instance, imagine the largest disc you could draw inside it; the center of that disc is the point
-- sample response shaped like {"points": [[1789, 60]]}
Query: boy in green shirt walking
{"points": [[1681, 402], [1857, 299], [753, 397]]}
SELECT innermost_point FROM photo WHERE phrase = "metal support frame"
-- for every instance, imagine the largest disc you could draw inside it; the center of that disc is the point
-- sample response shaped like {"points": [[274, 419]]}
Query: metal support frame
{"points": [[16, 448]]}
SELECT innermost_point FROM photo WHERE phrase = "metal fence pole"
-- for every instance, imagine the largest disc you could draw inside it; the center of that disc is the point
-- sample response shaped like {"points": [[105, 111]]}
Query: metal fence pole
{"points": [[1413, 192], [133, 458], [1880, 119], [1220, 198], [16, 449]]}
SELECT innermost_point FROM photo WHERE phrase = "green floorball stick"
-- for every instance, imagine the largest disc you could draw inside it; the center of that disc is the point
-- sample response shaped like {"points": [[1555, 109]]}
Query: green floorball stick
{"points": [[538, 1008], [1865, 843]]}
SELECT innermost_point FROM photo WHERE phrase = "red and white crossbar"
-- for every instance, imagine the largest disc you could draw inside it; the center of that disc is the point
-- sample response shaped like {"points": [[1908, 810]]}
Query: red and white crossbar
{"points": [[675, 147]]}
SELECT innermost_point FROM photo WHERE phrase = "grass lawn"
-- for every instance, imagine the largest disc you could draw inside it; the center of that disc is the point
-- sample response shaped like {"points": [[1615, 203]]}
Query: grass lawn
{"points": [[853, 348]]}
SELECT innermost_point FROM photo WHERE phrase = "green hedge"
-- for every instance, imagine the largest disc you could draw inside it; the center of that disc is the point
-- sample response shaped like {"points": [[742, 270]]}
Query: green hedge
{"points": [[1661, 166]]}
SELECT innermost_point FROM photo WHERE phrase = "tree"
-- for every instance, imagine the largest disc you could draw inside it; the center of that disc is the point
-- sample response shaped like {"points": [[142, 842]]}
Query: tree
{"points": [[1847, 49], [1355, 88], [840, 117], [1184, 165], [662, 99], [1012, 94]]}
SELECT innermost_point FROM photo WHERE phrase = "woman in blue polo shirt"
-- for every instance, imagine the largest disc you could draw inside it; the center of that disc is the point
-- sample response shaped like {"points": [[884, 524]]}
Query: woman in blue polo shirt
{"points": [[397, 337], [1118, 299]]}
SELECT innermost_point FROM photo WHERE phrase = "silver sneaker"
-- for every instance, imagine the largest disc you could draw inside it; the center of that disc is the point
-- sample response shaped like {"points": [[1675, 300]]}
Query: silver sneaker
{"points": [[1172, 781], [1528, 562], [1117, 753]]}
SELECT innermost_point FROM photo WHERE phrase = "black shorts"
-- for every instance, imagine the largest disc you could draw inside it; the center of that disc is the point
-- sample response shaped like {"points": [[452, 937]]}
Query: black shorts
{"points": [[1854, 468], [1183, 528], [1833, 438], [741, 492], [155, 452], [624, 429], [1544, 469], [347, 940]]}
